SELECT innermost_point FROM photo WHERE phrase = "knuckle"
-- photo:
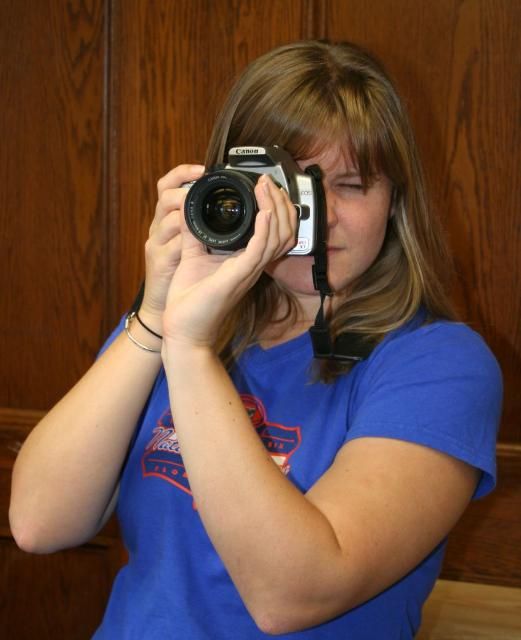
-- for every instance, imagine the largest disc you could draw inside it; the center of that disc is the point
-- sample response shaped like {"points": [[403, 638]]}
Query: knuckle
{"points": [[161, 185], [149, 248], [162, 200]]}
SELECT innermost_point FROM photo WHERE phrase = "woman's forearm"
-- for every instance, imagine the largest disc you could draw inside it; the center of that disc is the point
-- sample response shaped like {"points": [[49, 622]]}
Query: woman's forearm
{"points": [[68, 468], [273, 541]]}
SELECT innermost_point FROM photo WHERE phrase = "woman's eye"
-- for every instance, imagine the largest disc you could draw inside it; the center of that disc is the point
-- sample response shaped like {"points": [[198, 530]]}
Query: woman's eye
{"points": [[358, 186]]}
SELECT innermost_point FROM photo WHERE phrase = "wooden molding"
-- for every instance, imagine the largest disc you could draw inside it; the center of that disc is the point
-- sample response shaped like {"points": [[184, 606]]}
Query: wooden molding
{"points": [[484, 546], [16, 418], [15, 425]]}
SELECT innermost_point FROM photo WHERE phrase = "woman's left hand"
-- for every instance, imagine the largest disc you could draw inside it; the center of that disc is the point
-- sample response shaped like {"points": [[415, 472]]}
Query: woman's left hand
{"points": [[205, 287]]}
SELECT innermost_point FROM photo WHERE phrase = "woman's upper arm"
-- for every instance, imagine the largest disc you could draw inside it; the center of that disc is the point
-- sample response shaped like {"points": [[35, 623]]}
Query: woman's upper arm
{"points": [[107, 514], [420, 444], [390, 503]]}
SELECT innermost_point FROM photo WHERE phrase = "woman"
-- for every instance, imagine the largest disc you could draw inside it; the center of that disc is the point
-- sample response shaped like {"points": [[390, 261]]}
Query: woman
{"points": [[329, 517]]}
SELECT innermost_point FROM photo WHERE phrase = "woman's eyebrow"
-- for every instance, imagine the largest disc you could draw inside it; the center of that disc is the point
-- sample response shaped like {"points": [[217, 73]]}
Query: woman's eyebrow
{"points": [[350, 173]]}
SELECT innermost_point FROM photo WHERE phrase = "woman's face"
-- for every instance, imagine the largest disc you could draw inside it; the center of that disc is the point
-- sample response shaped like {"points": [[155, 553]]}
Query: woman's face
{"points": [[356, 226]]}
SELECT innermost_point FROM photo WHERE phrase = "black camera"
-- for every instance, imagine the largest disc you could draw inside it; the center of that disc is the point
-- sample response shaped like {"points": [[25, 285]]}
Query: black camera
{"points": [[220, 207]]}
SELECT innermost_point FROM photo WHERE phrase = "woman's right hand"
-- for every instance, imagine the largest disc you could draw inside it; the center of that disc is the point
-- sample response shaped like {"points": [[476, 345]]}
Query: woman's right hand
{"points": [[163, 247]]}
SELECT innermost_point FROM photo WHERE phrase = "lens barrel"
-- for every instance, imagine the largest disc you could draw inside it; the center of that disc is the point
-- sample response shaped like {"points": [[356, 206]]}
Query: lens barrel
{"points": [[220, 209]]}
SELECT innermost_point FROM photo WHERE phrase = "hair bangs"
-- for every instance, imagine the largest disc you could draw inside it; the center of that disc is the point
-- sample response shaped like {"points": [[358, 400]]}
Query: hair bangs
{"points": [[365, 136]]}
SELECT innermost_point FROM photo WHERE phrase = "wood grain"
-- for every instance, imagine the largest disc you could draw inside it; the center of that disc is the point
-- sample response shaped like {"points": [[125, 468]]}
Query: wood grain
{"points": [[484, 546], [54, 596], [463, 611], [99, 99], [173, 69], [66, 592], [51, 73], [458, 66]]}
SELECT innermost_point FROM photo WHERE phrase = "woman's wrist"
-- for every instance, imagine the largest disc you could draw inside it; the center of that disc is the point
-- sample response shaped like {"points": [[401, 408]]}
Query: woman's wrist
{"points": [[184, 350], [141, 336], [151, 321]]}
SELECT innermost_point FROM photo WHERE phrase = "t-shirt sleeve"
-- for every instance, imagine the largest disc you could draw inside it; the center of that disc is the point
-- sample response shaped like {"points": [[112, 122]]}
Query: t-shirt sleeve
{"points": [[119, 329], [439, 386]]}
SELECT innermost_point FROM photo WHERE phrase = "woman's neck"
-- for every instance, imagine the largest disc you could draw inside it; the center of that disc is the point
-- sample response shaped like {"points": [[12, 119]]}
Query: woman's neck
{"points": [[287, 324]]}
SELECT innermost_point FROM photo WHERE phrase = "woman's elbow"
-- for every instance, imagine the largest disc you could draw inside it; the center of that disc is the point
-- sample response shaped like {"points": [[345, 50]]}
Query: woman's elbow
{"points": [[274, 623], [269, 614], [289, 609], [25, 534], [35, 537], [277, 623], [283, 617]]}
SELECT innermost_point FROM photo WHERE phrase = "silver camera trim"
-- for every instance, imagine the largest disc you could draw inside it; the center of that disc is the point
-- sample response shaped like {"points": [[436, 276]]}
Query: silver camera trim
{"points": [[277, 162], [283, 169]]}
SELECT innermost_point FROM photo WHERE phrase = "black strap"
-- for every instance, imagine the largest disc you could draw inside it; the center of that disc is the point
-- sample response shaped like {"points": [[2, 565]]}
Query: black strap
{"points": [[138, 299], [347, 346]]}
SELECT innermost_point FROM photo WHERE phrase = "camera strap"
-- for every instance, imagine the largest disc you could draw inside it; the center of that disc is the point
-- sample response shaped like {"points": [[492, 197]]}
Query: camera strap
{"points": [[347, 346]]}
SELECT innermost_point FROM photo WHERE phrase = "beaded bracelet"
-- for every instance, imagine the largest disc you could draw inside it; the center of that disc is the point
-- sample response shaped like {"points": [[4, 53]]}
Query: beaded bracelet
{"points": [[128, 322]]}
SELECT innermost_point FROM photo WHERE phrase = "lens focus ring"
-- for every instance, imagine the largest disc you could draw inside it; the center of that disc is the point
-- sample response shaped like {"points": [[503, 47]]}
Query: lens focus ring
{"points": [[220, 209]]}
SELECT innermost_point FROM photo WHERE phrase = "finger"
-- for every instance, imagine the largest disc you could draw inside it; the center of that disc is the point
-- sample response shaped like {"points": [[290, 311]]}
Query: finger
{"points": [[257, 254], [266, 244], [276, 222], [263, 193], [170, 193], [163, 260], [167, 228], [178, 176], [283, 226], [168, 256], [169, 201], [288, 218], [190, 246], [293, 221]]}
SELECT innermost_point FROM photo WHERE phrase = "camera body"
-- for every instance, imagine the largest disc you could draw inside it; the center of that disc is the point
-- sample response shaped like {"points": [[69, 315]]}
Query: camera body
{"points": [[220, 207]]}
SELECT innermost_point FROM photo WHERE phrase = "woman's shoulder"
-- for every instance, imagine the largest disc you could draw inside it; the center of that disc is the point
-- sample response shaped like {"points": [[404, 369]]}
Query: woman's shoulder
{"points": [[439, 345], [432, 369], [436, 384]]}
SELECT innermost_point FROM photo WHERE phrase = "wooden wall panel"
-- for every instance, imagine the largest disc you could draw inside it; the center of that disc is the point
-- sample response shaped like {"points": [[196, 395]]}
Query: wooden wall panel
{"points": [[51, 219], [43, 601], [171, 68], [52, 235], [61, 595], [458, 65], [485, 545], [94, 99], [99, 99]]}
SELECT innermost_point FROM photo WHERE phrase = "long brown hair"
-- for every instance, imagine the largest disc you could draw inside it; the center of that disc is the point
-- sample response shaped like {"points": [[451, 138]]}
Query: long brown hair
{"points": [[303, 97]]}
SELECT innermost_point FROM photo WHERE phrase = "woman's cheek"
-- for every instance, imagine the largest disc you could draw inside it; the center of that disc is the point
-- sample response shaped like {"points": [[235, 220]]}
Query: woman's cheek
{"points": [[294, 273]]}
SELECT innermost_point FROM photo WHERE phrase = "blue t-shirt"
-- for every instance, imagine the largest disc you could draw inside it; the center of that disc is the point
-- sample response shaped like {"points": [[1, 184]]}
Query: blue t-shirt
{"points": [[437, 385]]}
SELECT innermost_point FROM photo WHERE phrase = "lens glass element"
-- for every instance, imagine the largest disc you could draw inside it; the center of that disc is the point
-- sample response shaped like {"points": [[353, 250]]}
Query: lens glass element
{"points": [[223, 210]]}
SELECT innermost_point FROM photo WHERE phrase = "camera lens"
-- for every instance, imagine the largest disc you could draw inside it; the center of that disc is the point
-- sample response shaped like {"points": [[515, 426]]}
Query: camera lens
{"points": [[223, 210], [220, 209]]}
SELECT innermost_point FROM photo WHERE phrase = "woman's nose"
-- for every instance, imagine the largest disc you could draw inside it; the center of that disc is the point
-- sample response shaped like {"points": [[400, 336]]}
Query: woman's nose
{"points": [[331, 206]]}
